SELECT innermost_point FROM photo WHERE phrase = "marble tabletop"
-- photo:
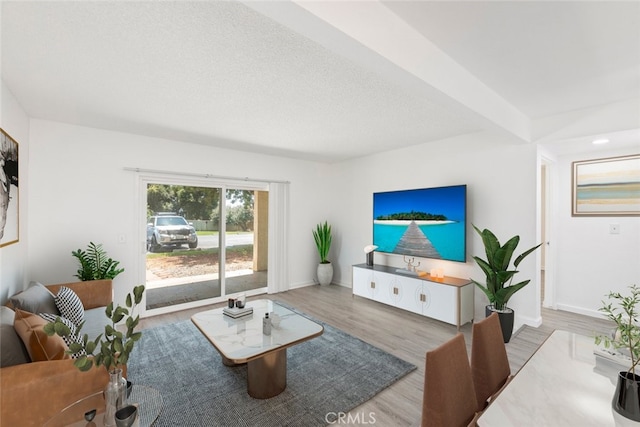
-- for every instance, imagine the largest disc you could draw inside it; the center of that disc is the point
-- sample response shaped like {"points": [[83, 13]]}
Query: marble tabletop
{"points": [[558, 386], [241, 340]]}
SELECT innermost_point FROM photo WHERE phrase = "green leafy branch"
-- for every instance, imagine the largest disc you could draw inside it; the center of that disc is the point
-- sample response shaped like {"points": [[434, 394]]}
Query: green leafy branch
{"points": [[625, 315], [114, 346]]}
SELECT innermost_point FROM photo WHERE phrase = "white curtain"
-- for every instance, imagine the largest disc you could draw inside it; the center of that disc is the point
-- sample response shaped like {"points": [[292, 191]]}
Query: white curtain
{"points": [[278, 275]]}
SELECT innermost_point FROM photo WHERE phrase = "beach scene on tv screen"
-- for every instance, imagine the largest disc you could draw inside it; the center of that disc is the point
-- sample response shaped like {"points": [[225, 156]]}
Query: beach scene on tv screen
{"points": [[428, 223]]}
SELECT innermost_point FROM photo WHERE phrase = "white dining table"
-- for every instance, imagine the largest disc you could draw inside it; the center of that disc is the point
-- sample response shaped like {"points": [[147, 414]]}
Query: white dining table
{"points": [[558, 386]]}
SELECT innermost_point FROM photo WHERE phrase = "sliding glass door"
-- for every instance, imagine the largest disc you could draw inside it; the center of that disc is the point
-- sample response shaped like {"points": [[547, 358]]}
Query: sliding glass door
{"points": [[246, 240], [204, 242]]}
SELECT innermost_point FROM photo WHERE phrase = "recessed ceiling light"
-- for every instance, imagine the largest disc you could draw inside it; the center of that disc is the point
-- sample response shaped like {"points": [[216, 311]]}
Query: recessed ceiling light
{"points": [[600, 141]]}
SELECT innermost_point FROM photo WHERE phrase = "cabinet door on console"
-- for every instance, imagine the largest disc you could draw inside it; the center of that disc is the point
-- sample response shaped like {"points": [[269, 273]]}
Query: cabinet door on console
{"points": [[390, 288], [410, 291], [364, 283], [444, 302]]}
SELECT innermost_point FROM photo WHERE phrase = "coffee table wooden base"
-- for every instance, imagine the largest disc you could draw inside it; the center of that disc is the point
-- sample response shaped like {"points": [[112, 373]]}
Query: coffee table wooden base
{"points": [[267, 375], [230, 363]]}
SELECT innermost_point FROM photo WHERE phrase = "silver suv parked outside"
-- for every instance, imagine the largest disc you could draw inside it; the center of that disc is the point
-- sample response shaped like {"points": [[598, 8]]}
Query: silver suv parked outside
{"points": [[170, 231]]}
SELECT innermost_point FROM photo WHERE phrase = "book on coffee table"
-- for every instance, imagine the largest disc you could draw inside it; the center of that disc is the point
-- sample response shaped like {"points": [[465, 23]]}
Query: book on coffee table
{"points": [[236, 312]]}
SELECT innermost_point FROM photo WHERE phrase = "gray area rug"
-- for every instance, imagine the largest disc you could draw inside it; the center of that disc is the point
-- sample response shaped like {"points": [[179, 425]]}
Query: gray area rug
{"points": [[332, 373]]}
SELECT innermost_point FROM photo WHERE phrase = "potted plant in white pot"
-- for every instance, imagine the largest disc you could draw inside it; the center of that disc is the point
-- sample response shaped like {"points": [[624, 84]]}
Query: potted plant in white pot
{"points": [[322, 237], [626, 400], [498, 287]]}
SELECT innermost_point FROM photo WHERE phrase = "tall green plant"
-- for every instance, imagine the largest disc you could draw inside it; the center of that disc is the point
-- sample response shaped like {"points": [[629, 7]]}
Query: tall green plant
{"points": [[625, 315], [498, 287], [322, 237], [95, 264], [114, 346]]}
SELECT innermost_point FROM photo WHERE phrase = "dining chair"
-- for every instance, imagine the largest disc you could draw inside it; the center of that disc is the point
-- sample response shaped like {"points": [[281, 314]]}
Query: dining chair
{"points": [[489, 362], [449, 399]]}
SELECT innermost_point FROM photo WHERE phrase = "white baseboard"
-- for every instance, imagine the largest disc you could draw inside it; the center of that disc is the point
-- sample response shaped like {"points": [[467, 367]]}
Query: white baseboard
{"points": [[305, 284], [301, 285], [579, 310], [526, 320]]}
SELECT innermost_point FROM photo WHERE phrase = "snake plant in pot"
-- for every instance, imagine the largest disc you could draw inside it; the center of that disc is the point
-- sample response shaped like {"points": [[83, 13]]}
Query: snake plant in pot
{"points": [[626, 339], [499, 277], [322, 237]]}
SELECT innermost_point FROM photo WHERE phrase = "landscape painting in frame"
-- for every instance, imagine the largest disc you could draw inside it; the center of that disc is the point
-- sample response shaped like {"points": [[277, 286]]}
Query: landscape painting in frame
{"points": [[8, 190], [607, 187]]}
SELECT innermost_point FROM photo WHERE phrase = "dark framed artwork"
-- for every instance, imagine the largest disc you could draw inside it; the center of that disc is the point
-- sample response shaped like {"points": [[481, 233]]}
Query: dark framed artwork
{"points": [[9, 206], [606, 187]]}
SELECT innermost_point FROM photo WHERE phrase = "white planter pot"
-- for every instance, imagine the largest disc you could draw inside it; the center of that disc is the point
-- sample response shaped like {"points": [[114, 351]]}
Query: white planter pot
{"points": [[325, 273]]}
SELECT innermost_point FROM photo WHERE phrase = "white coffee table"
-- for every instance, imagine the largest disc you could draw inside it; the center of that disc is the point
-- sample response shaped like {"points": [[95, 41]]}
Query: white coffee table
{"points": [[241, 341]]}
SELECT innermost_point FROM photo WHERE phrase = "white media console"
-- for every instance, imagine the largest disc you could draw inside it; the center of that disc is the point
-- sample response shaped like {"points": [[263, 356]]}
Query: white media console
{"points": [[448, 299]]}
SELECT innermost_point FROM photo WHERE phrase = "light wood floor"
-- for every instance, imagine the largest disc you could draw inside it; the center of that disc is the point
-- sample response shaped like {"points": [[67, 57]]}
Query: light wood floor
{"points": [[406, 335]]}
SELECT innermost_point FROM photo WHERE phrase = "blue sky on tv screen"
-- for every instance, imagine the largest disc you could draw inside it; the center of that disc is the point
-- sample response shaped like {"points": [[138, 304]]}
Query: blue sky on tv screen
{"points": [[448, 201]]}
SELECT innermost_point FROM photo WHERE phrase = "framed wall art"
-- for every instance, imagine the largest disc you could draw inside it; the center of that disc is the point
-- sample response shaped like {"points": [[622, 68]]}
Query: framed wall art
{"points": [[606, 187], [9, 227]]}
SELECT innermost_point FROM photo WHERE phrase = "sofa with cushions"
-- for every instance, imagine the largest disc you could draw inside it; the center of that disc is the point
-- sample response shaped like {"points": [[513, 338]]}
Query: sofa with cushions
{"points": [[37, 376]]}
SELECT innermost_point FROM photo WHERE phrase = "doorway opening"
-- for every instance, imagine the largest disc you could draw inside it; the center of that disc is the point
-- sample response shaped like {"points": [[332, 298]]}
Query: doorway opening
{"points": [[547, 208]]}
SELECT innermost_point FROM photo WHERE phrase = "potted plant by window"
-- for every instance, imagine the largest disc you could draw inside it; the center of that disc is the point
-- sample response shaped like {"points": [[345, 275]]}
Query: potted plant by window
{"points": [[626, 400], [113, 348], [322, 237], [95, 264], [498, 287]]}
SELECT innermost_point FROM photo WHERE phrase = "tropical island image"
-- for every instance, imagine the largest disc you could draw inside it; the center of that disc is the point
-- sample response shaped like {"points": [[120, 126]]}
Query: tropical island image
{"points": [[427, 223], [412, 216]]}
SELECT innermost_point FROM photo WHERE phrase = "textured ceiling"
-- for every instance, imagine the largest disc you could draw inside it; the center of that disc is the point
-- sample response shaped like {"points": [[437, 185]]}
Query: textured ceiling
{"points": [[543, 57], [225, 74]]}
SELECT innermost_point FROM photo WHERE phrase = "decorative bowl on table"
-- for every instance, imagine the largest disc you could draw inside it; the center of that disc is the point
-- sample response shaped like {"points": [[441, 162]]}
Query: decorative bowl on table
{"points": [[126, 416]]}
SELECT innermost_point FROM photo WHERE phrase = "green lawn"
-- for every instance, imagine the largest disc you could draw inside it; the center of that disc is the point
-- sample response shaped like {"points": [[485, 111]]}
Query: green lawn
{"points": [[215, 233], [184, 252]]}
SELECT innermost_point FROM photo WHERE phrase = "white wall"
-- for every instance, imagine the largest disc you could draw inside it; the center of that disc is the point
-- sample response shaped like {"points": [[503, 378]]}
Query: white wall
{"points": [[13, 257], [590, 261], [80, 192], [501, 180]]}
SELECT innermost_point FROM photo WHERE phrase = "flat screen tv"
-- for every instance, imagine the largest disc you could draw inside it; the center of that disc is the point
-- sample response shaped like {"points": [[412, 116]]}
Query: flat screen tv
{"points": [[426, 222]]}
